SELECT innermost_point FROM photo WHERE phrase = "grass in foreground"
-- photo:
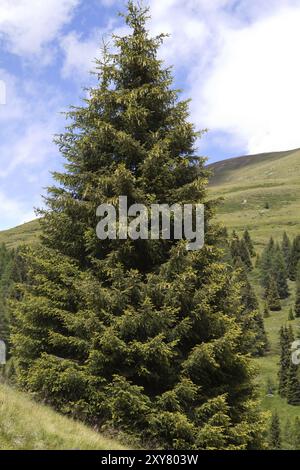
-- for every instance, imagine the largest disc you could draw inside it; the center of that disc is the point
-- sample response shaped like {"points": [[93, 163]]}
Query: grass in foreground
{"points": [[26, 425]]}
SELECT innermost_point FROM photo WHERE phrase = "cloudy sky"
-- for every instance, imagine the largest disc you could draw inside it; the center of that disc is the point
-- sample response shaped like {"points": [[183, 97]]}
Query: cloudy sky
{"points": [[237, 59]]}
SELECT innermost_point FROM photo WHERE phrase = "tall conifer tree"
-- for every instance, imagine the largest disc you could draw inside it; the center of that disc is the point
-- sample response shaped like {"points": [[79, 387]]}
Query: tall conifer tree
{"points": [[139, 335]]}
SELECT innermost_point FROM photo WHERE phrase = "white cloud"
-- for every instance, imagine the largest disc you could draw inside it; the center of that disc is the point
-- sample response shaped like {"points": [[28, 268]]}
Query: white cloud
{"points": [[240, 64], [14, 211], [252, 90], [31, 147], [27, 26], [79, 54]]}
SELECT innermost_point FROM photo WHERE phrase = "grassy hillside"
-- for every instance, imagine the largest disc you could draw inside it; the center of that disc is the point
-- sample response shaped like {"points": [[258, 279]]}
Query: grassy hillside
{"points": [[248, 184], [251, 184], [26, 425], [269, 364], [26, 233]]}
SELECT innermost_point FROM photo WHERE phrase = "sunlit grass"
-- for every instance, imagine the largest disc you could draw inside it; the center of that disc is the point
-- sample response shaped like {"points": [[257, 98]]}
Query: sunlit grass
{"points": [[26, 425]]}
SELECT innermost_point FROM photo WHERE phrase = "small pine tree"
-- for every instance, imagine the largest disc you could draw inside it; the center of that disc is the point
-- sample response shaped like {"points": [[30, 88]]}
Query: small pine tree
{"points": [[255, 338], [291, 314], [266, 262], [286, 250], [289, 435], [239, 251], [275, 433], [279, 272], [286, 338], [249, 243], [245, 255], [294, 258], [293, 386], [297, 303], [272, 296], [294, 436], [266, 311]]}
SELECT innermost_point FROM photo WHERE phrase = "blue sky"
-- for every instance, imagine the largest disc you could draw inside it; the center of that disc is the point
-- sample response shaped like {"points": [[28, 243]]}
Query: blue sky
{"points": [[237, 59]]}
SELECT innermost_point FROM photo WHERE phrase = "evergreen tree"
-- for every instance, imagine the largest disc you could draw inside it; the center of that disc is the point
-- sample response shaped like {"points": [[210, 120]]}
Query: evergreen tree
{"points": [[286, 339], [286, 250], [272, 296], [275, 433], [294, 436], [266, 311], [289, 435], [247, 239], [138, 335], [293, 385], [239, 251], [254, 335], [291, 314], [245, 255], [273, 265], [294, 258], [297, 303], [279, 272], [266, 263]]}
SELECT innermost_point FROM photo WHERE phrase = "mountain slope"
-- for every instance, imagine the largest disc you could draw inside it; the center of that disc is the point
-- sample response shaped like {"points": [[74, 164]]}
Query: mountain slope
{"points": [[26, 233], [26, 425], [261, 192]]}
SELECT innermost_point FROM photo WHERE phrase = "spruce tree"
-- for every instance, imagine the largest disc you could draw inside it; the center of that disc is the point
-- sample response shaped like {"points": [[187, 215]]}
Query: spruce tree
{"points": [[275, 433], [254, 335], [272, 264], [138, 335], [291, 314], [272, 296], [294, 258], [294, 434], [286, 250], [279, 272], [289, 434], [247, 239], [293, 385], [297, 303], [266, 263], [266, 311], [286, 338], [244, 254]]}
